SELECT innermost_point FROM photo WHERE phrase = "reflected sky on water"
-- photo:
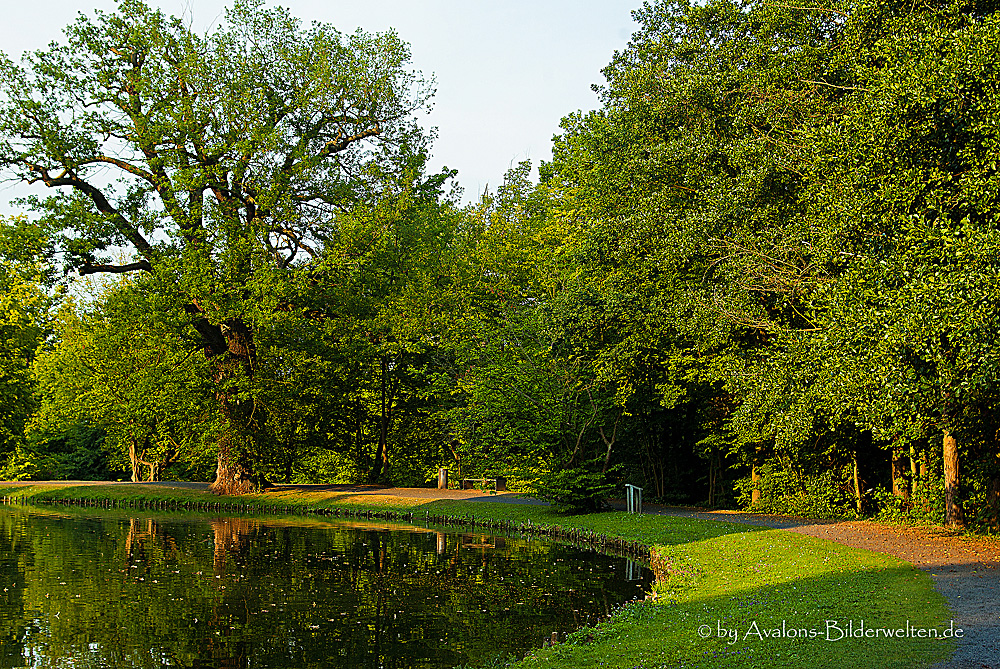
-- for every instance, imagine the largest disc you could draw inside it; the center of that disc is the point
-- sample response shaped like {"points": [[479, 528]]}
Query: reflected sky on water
{"points": [[86, 589]]}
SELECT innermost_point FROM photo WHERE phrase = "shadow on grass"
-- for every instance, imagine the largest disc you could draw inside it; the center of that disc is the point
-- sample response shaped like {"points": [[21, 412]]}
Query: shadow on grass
{"points": [[870, 618], [732, 596]]}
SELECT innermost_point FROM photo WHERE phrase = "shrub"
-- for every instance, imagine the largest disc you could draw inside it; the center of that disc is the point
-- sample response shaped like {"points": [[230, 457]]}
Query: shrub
{"points": [[576, 489], [822, 495], [925, 506]]}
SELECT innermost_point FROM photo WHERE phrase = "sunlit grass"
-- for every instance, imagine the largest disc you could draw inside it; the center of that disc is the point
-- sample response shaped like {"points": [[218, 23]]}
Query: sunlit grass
{"points": [[726, 591]]}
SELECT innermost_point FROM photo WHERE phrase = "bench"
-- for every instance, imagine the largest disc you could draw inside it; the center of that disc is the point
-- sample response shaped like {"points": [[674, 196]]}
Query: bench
{"points": [[499, 483]]}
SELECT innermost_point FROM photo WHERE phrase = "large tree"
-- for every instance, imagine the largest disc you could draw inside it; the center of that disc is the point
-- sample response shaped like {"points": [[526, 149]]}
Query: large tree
{"points": [[221, 164]]}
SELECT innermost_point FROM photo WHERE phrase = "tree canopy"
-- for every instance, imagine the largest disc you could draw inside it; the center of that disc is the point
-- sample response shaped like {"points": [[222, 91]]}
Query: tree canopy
{"points": [[762, 272], [240, 158]]}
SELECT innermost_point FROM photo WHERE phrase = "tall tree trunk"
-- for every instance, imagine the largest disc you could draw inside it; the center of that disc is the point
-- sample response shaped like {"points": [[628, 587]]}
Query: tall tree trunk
{"points": [[232, 347], [755, 478], [453, 447], [857, 484], [919, 468], [385, 415], [133, 456], [992, 515], [953, 516], [899, 487], [609, 442]]}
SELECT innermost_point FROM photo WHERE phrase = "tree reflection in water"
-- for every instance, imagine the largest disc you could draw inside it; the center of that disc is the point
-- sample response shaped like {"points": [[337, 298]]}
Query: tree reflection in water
{"points": [[119, 591]]}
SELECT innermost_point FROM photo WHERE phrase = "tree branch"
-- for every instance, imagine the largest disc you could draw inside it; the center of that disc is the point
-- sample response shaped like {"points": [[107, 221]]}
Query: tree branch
{"points": [[335, 146], [843, 88], [67, 178], [115, 269], [124, 166]]}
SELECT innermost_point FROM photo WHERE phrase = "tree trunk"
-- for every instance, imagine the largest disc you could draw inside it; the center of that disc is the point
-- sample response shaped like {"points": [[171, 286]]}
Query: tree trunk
{"points": [[899, 487], [755, 477], [234, 473], [232, 346], [389, 386], [953, 516], [992, 515], [609, 442], [919, 467], [453, 447], [378, 466], [857, 485], [134, 458]]}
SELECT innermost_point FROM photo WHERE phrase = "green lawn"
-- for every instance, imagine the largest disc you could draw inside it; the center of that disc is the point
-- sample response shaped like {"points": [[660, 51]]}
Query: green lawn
{"points": [[729, 595]]}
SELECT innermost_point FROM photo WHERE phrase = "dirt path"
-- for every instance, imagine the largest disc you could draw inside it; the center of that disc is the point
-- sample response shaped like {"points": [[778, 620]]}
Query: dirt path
{"points": [[965, 571]]}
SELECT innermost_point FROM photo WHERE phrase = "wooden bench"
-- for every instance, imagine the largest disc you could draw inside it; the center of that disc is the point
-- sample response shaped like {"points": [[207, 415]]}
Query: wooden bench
{"points": [[499, 483]]}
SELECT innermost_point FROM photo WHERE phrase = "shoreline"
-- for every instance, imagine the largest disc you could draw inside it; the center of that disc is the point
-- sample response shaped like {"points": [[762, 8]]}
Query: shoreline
{"points": [[694, 559]]}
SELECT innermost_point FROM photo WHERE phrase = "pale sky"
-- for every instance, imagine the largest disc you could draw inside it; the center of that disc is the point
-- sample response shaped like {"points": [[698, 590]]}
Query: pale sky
{"points": [[506, 72]]}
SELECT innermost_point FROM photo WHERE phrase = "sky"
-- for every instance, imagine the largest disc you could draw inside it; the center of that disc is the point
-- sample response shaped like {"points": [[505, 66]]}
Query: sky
{"points": [[506, 72]]}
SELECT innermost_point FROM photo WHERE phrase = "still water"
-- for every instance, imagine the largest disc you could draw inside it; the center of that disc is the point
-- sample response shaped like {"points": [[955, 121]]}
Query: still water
{"points": [[111, 590]]}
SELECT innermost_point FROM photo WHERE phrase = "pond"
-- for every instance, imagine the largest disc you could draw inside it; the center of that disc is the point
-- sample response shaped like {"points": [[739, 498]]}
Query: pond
{"points": [[105, 589]]}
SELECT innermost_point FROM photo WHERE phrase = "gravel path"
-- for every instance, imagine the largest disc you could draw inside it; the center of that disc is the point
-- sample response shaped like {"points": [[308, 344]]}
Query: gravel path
{"points": [[965, 571]]}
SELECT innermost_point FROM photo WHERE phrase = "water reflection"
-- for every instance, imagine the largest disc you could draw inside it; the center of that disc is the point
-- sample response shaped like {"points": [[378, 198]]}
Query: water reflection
{"points": [[117, 591]]}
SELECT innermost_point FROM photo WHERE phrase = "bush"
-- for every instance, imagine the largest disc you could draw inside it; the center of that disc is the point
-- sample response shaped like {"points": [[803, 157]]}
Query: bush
{"points": [[77, 454], [823, 495], [20, 466], [579, 489], [925, 506]]}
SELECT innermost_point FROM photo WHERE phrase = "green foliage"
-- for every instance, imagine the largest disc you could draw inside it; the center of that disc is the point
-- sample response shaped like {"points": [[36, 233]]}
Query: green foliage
{"points": [[76, 454], [119, 368], [25, 321], [820, 495], [773, 245], [788, 206], [577, 489], [923, 507], [263, 176], [19, 466]]}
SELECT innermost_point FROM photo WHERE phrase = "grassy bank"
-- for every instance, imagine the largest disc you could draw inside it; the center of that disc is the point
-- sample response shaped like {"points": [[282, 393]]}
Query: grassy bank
{"points": [[729, 595]]}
